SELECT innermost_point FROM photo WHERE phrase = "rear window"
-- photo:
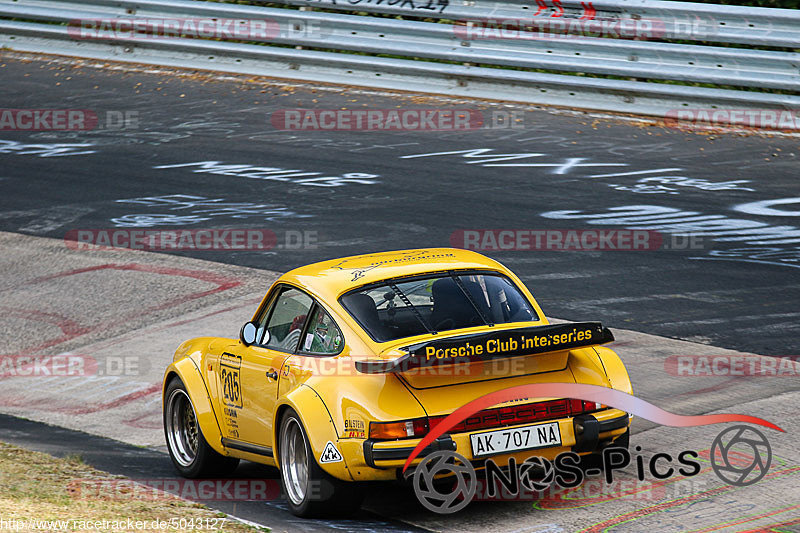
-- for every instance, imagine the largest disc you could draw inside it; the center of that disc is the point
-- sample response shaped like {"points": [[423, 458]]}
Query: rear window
{"points": [[404, 308]]}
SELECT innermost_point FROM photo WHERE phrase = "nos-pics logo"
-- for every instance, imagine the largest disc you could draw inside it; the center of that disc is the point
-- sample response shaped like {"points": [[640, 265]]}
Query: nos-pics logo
{"points": [[446, 482]]}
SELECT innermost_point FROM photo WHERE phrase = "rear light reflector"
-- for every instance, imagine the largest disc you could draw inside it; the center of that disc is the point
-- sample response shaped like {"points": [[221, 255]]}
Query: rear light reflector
{"points": [[404, 429], [589, 407]]}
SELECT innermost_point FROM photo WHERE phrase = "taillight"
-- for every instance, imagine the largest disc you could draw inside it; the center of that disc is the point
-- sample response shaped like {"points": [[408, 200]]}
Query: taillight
{"points": [[589, 407], [488, 418], [404, 429]]}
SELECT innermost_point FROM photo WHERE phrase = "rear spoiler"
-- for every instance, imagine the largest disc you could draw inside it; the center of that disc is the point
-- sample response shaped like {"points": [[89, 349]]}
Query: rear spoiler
{"points": [[492, 345]]}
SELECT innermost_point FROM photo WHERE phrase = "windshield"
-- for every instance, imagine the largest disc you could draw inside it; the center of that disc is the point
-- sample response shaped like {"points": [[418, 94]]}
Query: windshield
{"points": [[393, 310]]}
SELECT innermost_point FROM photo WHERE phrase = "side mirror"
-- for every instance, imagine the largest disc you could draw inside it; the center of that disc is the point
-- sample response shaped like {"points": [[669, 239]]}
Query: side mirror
{"points": [[248, 333]]}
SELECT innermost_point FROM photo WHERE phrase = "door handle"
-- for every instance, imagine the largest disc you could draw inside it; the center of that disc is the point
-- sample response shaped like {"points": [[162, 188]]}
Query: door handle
{"points": [[272, 374]]}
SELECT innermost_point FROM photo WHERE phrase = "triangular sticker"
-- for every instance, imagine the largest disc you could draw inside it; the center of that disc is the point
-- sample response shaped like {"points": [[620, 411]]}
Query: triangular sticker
{"points": [[330, 454]]}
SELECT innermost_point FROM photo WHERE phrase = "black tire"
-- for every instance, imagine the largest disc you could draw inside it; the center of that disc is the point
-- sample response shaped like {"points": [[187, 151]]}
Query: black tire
{"points": [[309, 490], [190, 453]]}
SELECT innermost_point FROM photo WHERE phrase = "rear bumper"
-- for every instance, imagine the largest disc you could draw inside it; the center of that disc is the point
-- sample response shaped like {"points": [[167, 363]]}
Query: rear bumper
{"points": [[581, 434], [373, 453], [588, 430]]}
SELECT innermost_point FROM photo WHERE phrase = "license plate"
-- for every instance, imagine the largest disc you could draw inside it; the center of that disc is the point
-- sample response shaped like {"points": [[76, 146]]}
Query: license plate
{"points": [[515, 439]]}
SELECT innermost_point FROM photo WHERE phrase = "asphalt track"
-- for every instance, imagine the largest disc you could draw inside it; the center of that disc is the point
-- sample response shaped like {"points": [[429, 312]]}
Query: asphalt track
{"points": [[737, 290], [725, 295], [87, 307]]}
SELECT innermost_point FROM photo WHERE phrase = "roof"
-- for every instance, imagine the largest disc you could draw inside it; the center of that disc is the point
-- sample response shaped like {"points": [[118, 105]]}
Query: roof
{"points": [[330, 279]]}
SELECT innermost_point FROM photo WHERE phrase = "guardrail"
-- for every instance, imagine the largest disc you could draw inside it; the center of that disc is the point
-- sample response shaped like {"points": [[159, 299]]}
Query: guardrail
{"points": [[638, 56]]}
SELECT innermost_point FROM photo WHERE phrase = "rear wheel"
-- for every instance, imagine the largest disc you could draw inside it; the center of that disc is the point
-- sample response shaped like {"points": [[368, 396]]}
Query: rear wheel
{"points": [[188, 448], [309, 490]]}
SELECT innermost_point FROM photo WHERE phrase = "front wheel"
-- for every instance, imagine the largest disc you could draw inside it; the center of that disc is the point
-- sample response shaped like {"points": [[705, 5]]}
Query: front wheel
{"points": [[309, 490], [188, 448]]}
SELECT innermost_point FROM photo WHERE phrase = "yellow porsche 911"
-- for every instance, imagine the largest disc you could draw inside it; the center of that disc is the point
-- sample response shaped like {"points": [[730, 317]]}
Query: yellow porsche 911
{"points": [[347, 364]]}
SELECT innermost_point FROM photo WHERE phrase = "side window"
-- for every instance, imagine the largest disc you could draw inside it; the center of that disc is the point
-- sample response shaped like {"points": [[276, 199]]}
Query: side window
{"points": [[286, 319], [322, 336]]}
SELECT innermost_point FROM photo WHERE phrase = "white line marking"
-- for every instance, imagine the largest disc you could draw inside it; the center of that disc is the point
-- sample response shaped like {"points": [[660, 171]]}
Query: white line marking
{"points": [[744, 261], [635, 172]]}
